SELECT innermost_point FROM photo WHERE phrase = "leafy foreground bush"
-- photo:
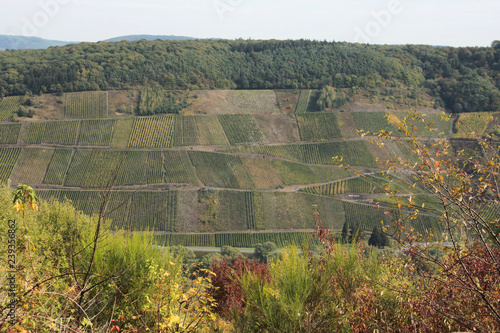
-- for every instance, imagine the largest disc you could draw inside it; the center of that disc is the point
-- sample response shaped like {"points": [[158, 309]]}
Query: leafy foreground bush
{"points": [[72, 274]]}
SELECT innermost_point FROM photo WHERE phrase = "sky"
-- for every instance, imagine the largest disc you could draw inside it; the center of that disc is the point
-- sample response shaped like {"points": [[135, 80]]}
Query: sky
{"points": [[433, 22]]}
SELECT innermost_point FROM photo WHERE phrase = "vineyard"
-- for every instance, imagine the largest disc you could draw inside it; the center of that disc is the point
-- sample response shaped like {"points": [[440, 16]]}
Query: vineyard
{"points": [[126, 209], [210, 131], [318, 126], [215, 169], [9, 133], [241, 239], [372, 121], [365, 184], [240, 128], [469, 123], [354, 152], [152, 132], [301, 107], [56, 171], [25, 172], [86, 105], [185, 132], [54, 132], [8, 159], [96, 132], [9, 105]]}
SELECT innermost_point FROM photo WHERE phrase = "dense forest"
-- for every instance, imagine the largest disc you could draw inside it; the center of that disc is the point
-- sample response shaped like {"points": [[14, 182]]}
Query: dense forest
{"points": [[460, 79]]}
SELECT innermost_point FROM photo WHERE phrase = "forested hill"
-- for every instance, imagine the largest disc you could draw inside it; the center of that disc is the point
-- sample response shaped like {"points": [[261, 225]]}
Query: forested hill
{"points": [[462, 79]]}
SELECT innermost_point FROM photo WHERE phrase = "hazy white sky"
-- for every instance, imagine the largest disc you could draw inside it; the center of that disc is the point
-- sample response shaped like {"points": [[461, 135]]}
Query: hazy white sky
{"points": [[435, 22]]}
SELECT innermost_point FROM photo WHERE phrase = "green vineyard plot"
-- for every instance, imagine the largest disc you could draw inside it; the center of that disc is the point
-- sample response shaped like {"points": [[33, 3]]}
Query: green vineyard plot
{"points": [[9, 133], [318, 126], [63, 132], [152, 132], [85, 105], [25, 173], [96, 132], [354, 152], [240, 128], [9, 105], [56, 171], [8, 159]]}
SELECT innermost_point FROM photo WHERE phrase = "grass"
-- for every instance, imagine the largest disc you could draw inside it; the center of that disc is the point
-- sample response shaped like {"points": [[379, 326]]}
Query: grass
{"points": [[121, 134]]}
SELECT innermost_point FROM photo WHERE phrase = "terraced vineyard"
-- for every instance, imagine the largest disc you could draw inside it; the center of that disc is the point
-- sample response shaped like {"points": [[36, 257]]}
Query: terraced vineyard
{"points": [[372, 121], [216, 169], [96, 132], [318, 126], [366, 184], [56, 171], [9, 133], [54, 132], [8, 159], [9, 105], [247, 239], [25, 172], [210, 131], [354, 152], [264, 167], [240, 128], [152, 132], [88, 104]]}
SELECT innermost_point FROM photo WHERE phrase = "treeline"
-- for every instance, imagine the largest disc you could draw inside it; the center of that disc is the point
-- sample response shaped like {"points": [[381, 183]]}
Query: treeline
{"points": [[461, 79]]}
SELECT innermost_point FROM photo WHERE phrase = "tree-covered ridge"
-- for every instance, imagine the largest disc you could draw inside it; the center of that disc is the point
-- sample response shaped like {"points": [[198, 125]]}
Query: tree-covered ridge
{"points": [[462, 79]]}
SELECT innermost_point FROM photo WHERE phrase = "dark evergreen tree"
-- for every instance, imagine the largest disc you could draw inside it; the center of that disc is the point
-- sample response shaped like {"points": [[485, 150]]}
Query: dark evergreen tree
{"points": [[345, 233]]}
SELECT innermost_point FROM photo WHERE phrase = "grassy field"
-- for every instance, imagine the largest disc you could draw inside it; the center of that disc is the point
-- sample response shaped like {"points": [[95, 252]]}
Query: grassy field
{"points": [[85, 105], [278, 128], [318, 126], [121, 134], [233, 102]]}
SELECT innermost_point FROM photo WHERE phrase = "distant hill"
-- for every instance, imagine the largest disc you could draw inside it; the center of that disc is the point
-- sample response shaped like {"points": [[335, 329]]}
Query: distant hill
{"points": [[132, 38], [8, 42], [11, 42]]}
